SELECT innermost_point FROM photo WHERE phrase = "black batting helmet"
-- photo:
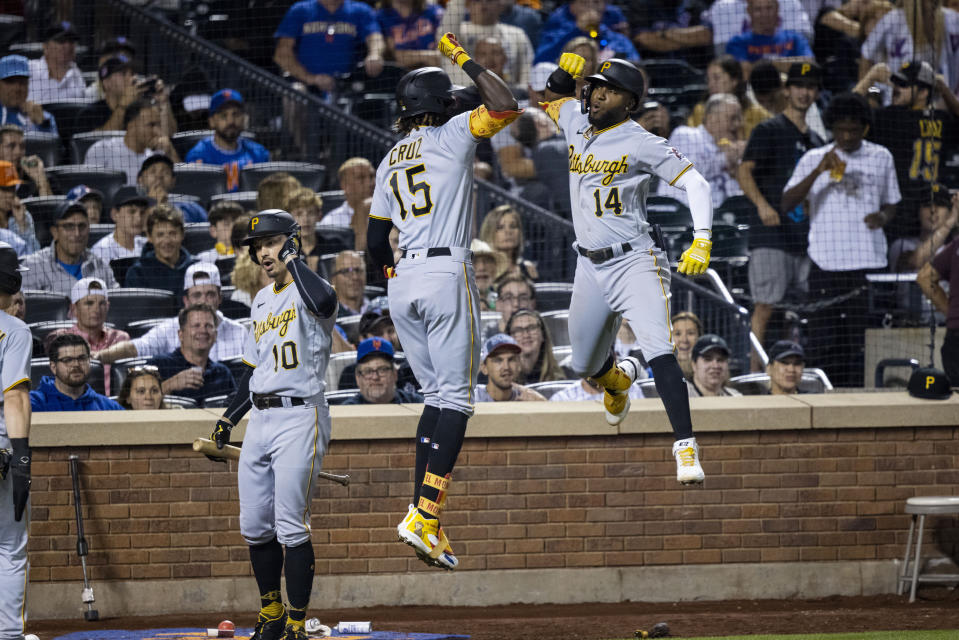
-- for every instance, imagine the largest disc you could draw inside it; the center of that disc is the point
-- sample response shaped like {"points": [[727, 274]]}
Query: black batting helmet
{"points": [[424, 90], [270, 222], [10, 278], [621, 74]]}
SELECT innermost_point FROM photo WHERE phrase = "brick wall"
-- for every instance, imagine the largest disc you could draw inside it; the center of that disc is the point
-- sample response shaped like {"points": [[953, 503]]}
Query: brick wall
{"points": [[163, 512]]}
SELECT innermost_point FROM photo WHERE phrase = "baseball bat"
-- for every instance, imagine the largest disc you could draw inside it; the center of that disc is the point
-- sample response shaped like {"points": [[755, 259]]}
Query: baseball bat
{"points": [[86, 596], [208, 447]]}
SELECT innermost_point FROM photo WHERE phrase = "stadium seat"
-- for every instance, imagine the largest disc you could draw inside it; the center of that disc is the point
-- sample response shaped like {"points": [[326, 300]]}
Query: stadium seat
{"points": [[553, 296], [558, 324], [343, 236], [120, 369], [919, 507], [351, 325], [31, 50], [735, 210], [889, 363], [120, 267], [236, 366], [179, 402], [141, 327], [562, 352], [339, 397], [331, 200], [203, 181], [46, 145], [225, 265], [668, 213], [489, 321], [648, 387], [106, 181], [180, 198], [131, 304], [183, 141], [41, 329], [338, 362], [40, 367], [66, 113], [547, 389], [217, 402], [12, 29], [197, 238], [232, 309], [246, 199], [43, 306], [672, 74], [310, 175], [80, 143], [43, 208], [372, 291], [752, 384], [98, 231]]}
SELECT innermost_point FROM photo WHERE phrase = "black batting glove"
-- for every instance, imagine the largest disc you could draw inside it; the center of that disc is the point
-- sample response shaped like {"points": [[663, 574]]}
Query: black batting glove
{"points": [[290, 248], [221, 436], [20, 476]]}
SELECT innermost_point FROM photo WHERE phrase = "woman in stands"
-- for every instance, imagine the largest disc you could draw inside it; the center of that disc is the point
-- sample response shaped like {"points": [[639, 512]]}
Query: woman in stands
{"points": [[141, 389], [537, 359], [725, 75], [687, 328], [503, 230]]}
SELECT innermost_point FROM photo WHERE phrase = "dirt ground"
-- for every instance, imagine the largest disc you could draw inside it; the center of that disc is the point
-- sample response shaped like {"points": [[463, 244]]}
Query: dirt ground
{"points": [[936, 608]]}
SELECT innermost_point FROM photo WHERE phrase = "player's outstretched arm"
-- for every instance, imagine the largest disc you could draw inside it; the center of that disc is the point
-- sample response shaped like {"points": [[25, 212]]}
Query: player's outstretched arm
{"points": [[495, 93], [318, 295], [562, 82]]}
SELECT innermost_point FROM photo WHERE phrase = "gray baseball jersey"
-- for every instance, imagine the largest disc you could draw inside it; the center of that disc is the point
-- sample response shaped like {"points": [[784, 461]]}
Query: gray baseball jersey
{"points": [[609, 173], [284, 447], [424, 186], [16, 346]]}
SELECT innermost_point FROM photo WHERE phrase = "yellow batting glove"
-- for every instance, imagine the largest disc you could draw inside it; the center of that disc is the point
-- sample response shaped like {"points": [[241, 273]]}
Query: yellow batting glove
{"points": [[452, 49], [572, 64], [695, 259]]}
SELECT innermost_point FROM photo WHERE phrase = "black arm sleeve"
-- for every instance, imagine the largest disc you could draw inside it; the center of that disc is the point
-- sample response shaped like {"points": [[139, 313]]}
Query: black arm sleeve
{"points": [[241, 401], [378, 241], [317, 293]]}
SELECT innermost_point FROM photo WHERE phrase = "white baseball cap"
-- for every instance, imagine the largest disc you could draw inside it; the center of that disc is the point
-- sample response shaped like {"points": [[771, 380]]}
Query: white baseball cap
{"points": [[540, 73], [82, 288], [200, 273]]}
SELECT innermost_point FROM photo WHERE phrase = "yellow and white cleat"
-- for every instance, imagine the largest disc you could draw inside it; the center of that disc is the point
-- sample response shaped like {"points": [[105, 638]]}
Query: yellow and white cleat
{"points": [[617, 402], [688, 469], [426, 537]]}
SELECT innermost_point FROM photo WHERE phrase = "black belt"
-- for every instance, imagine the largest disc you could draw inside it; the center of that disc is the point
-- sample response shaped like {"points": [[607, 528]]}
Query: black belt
{"points": [[599, 256], [269, 401], [435, 251]]}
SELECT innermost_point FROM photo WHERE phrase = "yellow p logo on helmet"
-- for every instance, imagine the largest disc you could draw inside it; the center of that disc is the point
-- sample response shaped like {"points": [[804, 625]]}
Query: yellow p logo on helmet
{"points": [[253, 223], [606, 65], [806, 68], [930, 380]]}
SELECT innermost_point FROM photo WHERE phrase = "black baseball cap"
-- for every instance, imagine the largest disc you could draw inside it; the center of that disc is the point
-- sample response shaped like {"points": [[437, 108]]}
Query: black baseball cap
{"points": [[912, 73], [131, 195], [61, 32], [113, 65], [709, 342], [119, 44], [154, 159], [373, 318], [785, 348], [69, 207], [936, 194], [764, 77], [929, 384], [806, 74]]}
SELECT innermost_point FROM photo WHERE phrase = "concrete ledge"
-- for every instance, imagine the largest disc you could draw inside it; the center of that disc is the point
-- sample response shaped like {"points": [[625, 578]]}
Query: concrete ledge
{"points": [[515, 420], [486, 588]]}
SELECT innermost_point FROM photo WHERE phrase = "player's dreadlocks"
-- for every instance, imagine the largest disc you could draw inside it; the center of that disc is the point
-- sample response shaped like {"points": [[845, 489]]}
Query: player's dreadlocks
{"points": [[404, 126]]}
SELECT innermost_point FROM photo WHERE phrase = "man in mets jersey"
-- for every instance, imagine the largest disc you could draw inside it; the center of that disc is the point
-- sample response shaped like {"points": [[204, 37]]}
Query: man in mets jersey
{"points": [[620, 270], [423, 187], [287, 352]]}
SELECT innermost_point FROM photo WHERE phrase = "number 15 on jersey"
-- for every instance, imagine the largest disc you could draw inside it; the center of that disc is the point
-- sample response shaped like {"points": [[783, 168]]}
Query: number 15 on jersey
{"points": [[412, 191]]}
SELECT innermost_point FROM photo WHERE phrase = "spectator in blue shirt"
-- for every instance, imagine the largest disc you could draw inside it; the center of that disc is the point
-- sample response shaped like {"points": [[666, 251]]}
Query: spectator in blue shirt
{"points": [[164, 261], [409, 27], [67, 389], [318, 39], [612, 44], [14, 106], [188, 371], [157, 179], [765, 40], [226, 147]]}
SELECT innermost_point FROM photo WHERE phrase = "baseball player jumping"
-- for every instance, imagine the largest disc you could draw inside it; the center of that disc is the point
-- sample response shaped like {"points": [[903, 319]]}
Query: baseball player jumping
{"points": [[423, 187], [620, 270], [16, 349], [287, 351]]}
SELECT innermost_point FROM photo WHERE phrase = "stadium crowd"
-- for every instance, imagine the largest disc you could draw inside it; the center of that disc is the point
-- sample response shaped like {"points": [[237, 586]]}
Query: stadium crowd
{"points": [[827, 131]]}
